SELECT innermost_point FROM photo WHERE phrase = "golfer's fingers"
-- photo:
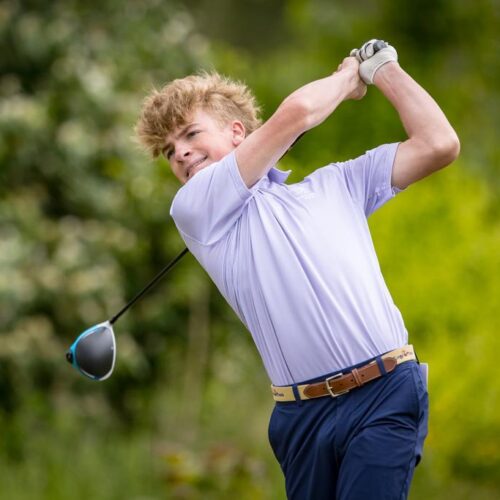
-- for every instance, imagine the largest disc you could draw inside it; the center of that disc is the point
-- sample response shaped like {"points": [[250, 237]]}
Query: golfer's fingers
{"points": [[369, 48]]}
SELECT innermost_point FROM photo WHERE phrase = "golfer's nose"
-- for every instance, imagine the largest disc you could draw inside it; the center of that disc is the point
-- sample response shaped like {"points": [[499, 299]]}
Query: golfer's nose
{"points": [[182, 152]]}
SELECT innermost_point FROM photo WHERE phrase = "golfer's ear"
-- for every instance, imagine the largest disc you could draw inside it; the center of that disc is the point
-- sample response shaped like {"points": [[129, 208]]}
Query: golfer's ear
{"points": [[239, 132]]}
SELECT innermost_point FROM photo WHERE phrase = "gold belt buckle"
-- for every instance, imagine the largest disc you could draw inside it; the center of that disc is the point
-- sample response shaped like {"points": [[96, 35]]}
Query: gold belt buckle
{"points": [[330, 390]]}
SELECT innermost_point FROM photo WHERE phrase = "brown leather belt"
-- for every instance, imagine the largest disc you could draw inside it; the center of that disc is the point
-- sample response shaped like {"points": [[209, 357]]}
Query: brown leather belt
{"points": [[342, 383]]}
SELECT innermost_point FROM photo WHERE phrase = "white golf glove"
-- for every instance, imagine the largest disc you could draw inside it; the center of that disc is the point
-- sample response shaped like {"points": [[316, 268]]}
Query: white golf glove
{"points": [[371, 56]]}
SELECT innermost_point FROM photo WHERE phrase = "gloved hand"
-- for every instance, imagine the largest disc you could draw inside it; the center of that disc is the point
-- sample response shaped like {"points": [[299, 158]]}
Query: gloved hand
{"points": [[371, 56]]}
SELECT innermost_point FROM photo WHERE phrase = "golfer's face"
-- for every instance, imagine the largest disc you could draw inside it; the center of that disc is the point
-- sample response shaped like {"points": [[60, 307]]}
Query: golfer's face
{"points": [[198, 144]]}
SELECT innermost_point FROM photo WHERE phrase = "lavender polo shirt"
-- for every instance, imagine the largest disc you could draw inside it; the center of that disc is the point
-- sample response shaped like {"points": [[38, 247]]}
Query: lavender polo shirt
{"points": [[296, 262]]}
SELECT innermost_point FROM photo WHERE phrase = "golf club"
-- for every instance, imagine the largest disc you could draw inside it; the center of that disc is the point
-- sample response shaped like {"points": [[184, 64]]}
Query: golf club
{"points": [[93, 353]]}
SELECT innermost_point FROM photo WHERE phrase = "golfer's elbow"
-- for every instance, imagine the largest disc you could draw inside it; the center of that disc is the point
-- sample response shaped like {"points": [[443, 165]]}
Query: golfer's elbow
{"points": [[445, 149], [439, 147], [299, 112]]}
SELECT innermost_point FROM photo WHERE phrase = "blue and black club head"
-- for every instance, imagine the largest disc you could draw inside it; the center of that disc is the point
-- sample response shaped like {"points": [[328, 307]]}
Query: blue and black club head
{"points": [[93, 353]]}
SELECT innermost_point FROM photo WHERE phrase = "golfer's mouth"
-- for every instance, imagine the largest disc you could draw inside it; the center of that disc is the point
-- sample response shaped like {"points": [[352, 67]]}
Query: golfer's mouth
{"points": [[194, 167]]}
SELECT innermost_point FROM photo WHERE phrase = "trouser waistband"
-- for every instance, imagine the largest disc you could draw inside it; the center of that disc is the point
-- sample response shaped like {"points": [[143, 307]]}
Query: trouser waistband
{"points": [[341, 383]]}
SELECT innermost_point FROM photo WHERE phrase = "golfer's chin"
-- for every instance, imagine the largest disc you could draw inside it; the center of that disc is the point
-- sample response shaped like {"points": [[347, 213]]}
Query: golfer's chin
{"points": [[199, 167]]}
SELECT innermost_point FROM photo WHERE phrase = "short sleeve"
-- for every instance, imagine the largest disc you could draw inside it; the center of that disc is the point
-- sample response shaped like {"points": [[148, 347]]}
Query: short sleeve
{"points": [[208, 205], [368, 177]]}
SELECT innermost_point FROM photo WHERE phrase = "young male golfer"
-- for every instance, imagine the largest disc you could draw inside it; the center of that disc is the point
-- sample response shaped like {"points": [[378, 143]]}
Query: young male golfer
{"points": [[297, 264]]}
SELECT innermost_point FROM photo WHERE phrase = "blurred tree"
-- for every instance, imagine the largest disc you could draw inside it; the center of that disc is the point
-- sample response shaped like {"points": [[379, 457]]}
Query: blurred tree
{"points": [[84, 224], [81, 216], [256, 25]]}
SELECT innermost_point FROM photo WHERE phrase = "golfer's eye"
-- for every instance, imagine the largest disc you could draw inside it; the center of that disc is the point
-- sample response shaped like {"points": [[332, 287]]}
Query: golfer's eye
{"points": [[192, 133], [168, 153]]}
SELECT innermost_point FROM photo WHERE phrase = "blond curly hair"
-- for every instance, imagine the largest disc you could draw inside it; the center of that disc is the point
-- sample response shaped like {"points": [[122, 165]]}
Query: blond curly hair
{"points": [[167, 109]]}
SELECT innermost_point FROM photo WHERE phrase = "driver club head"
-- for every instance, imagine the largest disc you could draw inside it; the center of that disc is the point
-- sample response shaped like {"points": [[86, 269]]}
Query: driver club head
{"points": [[93, 353]]}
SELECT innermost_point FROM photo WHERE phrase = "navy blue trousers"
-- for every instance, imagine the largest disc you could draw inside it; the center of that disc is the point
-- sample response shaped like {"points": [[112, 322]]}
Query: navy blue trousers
{"points": [[359, 446]]}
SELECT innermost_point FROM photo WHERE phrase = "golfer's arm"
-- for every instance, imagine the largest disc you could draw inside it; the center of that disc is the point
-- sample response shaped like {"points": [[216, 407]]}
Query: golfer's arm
{"points": [[432, 143], [300, 111]]}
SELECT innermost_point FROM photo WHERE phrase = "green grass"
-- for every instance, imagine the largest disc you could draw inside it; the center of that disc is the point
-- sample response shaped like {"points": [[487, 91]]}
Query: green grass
{"points": [[88, 464]]}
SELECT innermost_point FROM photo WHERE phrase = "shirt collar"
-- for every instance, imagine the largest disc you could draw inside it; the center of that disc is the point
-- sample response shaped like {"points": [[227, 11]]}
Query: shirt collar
{"points": [[279, 176]]}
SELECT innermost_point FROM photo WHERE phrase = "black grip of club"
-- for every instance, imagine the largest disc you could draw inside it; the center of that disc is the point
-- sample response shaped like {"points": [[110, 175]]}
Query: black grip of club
{"points": [[150, 285], [378, 45]]}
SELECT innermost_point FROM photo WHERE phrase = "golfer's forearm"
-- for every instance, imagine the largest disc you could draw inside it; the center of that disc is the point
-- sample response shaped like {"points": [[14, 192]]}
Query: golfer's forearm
{"points": [[321, 97], [422, 118], [303, 109]]}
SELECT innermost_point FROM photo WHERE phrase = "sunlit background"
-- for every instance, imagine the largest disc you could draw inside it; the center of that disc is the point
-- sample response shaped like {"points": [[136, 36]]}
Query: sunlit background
{"points": [[84, 224]]}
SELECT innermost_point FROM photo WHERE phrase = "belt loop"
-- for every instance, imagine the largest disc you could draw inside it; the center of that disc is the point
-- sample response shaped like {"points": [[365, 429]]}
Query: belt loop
{"points": [[296, 394], [381, 366]]}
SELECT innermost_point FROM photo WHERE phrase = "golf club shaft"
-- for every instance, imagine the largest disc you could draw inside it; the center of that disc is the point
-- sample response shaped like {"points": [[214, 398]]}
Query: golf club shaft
{"points": [[170, 265], [150, 285]]}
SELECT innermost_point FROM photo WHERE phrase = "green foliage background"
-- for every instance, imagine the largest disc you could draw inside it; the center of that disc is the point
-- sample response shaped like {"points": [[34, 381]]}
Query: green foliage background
{"points": [[84, 224]]}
